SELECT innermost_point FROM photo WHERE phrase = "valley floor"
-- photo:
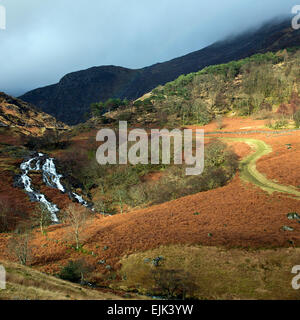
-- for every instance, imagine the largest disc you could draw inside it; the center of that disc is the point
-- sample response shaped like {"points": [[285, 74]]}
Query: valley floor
{"points": [[239, 215]]}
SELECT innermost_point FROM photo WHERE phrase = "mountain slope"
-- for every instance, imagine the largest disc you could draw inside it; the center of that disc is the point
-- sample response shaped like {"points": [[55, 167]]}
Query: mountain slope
{"points": [[265, 86], [24, 117], [70, 98]]}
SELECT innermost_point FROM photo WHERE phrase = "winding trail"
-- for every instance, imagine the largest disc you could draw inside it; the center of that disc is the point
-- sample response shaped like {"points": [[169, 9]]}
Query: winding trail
{"points": [[249, 173]]}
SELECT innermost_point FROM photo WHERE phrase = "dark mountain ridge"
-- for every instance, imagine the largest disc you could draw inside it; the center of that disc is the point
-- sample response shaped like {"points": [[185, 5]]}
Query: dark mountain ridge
{"points": [[69, 99]]}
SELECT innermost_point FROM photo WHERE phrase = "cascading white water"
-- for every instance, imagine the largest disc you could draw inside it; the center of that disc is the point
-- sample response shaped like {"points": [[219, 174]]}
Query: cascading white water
{"points": [[26, 167], [50, 177], [80, 199]]}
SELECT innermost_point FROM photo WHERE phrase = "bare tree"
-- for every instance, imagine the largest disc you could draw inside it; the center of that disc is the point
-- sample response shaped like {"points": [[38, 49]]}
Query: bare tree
{"points": [[42, 217], [77, 217], [10, 214], [19, 246], [5, 214], [120, 196]]}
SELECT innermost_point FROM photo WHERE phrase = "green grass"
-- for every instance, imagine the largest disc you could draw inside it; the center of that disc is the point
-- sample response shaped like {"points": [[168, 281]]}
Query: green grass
{"points": [[219, 273], [24, 283], [249, 172]]}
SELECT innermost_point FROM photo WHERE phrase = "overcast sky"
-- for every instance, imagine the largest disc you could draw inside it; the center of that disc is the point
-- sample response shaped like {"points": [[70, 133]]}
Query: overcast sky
{"points": [[45, 39]]}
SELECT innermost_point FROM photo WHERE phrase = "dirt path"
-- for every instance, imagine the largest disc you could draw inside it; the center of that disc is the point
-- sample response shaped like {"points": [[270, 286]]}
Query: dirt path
{"points": [[249, 173]]}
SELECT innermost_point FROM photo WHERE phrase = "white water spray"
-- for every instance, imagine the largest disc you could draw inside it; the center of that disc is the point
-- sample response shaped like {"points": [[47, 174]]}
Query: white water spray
{"points": [[34, 165], [50, 177]]}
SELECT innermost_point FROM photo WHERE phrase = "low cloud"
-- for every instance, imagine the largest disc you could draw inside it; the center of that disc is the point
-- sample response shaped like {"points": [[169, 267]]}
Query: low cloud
{"points": [[46, 39]]}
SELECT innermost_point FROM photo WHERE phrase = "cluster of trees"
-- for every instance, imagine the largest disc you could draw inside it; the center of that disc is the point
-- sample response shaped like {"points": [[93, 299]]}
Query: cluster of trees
{"points": [[228, 71], [290, 110], [220, 165], [124, 106], [13, 218], [99, 108], [232, 69], [144, 105], [122, 187], [258, 83], [51, 140]]}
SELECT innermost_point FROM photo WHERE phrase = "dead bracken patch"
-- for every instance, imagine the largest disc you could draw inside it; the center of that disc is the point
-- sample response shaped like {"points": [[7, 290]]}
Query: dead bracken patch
{"points": [[236, 215]]}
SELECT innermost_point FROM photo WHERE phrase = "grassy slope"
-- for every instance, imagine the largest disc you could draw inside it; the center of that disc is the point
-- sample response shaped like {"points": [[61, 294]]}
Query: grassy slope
{"points": [[25, 283], [220, 273]]}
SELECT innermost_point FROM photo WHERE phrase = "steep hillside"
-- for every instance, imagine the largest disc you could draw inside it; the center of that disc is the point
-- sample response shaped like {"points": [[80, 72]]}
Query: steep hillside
{"points": [[71, 97], [265, 86], [24, 118], [20, 123]]}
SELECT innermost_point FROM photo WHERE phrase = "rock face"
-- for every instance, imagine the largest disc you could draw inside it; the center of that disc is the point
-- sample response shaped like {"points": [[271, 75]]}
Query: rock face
{"points": [[25, 118], [71, 97]]}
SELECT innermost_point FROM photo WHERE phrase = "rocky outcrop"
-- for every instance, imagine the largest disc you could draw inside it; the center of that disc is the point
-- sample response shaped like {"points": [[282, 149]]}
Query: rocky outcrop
{"points": [[26, 118]]}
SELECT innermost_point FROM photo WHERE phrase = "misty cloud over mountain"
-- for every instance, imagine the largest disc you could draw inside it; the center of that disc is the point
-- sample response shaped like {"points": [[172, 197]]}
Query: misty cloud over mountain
{"points": [[44, 40]]}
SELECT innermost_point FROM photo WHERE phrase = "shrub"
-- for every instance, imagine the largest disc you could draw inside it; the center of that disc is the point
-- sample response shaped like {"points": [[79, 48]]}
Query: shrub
{"points": [[262, 115], [280, 124], [51, 140], [75, 271], [125, 116], [138, 103], [200, 113], [173, 283], [285, 110], [244, 108], [97, 109], [297, 119]]}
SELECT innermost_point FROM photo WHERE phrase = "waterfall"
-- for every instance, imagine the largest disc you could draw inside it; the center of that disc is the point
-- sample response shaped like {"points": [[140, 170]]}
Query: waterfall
{"points": [[34, 165], [51, 178], [80, 199]]}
